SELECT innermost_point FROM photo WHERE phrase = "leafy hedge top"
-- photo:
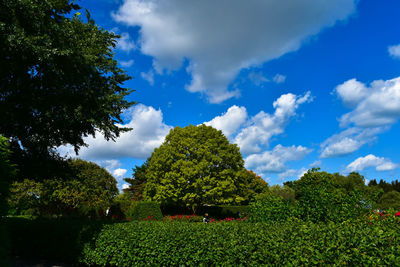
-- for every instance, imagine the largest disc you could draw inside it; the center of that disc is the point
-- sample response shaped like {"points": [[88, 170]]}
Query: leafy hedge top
{"points": [[244, 244]]}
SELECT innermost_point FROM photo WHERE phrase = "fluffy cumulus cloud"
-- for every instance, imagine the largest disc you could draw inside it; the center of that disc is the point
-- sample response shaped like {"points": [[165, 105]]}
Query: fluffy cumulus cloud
{"points": [[119, 173], [230, 121], [377, 105], [219, 38], [394, 51], [263, 125], [274, 161], [379, 163], [148, 132], [113, 167], [374, 109]]}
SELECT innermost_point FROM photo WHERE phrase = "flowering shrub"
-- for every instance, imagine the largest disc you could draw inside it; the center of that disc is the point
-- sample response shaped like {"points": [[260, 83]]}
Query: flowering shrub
{"points": [[150, 218], [183, 218], [231, 219]]}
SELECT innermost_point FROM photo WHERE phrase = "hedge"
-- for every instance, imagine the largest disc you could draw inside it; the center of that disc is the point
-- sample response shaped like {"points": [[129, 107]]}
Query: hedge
{"points": [[143, 210], [244, 244]]}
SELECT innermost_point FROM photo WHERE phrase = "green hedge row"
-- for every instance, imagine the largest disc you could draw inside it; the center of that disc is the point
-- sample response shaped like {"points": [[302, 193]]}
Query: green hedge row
{"points": [[144, 210], [244, 244]]}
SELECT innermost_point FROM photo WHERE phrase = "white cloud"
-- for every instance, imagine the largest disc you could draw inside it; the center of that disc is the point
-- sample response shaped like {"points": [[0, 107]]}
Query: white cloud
{"points": [[297, 174], [119, 173], [316, 164], [219, 38], [112, 166], [351, 92], [125, 186], [126, 64], [230, 121], [380, 164], [263, 126], [279, 78], [257, 77], [394, 51], [148, 132], [125, 43], [274, 161], [374, 110], [349, 141], [148, 76], [379, 106]]}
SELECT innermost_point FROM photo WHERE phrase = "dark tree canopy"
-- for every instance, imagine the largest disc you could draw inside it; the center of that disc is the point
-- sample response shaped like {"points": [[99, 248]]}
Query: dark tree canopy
{"points": [[59, 81], [7, 173], [84, 189], [197, 165]]}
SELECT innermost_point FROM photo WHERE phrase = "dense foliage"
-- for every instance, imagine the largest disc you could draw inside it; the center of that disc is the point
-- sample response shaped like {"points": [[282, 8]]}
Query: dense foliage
{"points": [[197, 165], [390, 200], [387, 187], [7, 173], [87, 188], [246, 244], [59, 81], [144, 210]]}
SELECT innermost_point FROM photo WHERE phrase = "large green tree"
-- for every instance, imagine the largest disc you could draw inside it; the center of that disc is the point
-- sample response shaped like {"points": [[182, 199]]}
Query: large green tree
{"points": [[86, 188], [59, 80], [197, 165]]}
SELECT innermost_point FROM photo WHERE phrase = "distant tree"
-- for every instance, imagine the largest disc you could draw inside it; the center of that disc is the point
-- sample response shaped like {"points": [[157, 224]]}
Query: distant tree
{"points": [[387, 187], [390, 200], [252, 185], [7, 173], [196, 165], [59, 81], [87, 188], [137, 183]]}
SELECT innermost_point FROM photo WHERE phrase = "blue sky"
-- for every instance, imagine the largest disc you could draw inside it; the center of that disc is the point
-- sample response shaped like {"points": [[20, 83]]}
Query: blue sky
{"points": [[296, 84]]}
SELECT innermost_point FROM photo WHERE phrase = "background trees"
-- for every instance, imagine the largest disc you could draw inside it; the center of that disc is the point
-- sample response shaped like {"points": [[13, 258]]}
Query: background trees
{"points": [[59, 81], [7, 173], [84, 190], [197, 165]]}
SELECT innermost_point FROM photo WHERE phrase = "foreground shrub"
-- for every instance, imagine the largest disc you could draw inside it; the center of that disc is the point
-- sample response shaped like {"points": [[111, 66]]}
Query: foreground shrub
{"points": [[144, 210], [247, 244]]}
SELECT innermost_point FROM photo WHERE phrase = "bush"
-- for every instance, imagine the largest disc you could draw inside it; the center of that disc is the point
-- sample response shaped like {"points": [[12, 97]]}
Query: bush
{"points": [[244, 244], [145, 209], [273, 208]]}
